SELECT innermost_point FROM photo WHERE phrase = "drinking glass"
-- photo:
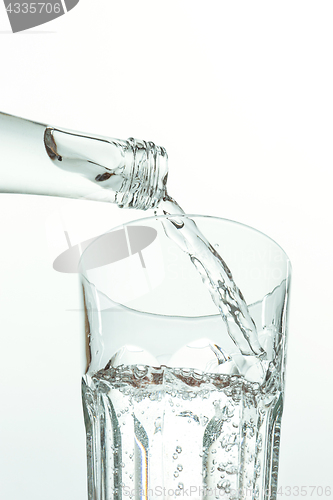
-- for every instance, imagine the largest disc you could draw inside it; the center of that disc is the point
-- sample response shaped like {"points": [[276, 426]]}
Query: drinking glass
{"points": [[172, 405]]}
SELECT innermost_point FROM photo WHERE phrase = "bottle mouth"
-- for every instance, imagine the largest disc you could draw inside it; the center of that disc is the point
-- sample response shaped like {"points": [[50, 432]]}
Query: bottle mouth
{"points": [[146, 167]]}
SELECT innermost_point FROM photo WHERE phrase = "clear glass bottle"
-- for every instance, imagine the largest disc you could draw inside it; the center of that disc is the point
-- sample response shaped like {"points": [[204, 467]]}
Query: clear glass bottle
{"points": [[39, 159]]}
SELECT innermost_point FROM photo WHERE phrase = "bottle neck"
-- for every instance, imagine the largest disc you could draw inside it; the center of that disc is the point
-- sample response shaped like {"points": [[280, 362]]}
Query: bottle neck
{"points": [[133, 171], [145, 175], [44, 160]]}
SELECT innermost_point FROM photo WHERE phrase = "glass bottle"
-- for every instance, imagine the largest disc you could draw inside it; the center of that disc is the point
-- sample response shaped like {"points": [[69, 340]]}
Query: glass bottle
{"points": [[39, 159]]}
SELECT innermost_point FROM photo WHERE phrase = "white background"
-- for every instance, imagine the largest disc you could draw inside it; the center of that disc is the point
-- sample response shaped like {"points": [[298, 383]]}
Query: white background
{"points": [[240, 94]]}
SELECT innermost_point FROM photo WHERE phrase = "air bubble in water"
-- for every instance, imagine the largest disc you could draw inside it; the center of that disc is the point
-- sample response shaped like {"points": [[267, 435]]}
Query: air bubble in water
{"points": [[231, 469], [204, 420], [185, 371], [140, 371], [175, 456], [176, 474], [197, 374], [224, 485], [229, 441], [158, 425], [180, 467], [178, 449], [228, 412]]}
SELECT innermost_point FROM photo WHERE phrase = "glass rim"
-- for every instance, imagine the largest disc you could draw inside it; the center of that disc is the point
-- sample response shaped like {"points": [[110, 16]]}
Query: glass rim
{"points": [[185, 215]]}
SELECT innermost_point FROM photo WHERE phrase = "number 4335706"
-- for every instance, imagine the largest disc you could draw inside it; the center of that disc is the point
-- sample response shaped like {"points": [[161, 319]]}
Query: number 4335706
{"points": [[34, 8], [304, 491]]}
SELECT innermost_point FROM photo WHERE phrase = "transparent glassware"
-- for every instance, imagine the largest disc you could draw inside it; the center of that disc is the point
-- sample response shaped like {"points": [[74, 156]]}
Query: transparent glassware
{"points": [[37, 158], [172, 406]]}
